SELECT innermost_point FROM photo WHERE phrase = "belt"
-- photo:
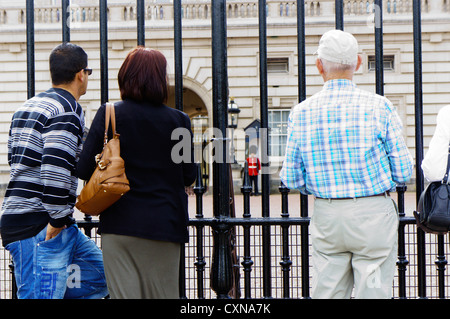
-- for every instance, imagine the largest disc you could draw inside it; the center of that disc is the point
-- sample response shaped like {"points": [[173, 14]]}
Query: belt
{"points": [[385, 194]]}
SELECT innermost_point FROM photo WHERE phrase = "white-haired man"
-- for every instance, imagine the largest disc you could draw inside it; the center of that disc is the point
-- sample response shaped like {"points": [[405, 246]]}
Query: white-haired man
{"points": [[345, 147]]}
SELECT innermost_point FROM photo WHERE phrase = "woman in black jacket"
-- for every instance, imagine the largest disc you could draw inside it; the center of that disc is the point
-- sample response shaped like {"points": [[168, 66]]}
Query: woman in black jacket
{"points": [[142, 232]]}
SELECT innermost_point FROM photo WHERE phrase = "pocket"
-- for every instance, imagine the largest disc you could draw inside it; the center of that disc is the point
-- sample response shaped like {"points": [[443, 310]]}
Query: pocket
{"points": [[64, 239], [15, 250], [13, 247], [52, 258]]}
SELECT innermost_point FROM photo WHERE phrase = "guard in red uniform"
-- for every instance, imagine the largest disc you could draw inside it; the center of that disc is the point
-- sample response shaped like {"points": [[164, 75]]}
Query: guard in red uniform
{"points": [[254, 166]]}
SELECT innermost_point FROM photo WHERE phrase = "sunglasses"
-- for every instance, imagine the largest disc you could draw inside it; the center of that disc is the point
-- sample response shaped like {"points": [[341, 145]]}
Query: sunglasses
{"points": [[89, 71]]}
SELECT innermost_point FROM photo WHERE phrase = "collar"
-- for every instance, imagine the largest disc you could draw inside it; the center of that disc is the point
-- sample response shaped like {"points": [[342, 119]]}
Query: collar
{"points": [[337, 84]]}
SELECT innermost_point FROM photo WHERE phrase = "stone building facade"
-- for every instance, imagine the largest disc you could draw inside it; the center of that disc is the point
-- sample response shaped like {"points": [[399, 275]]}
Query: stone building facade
{"points": [[243, 56]]}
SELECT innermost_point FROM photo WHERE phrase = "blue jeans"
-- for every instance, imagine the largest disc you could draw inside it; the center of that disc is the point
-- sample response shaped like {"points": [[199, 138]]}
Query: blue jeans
{"points": [[68, 266]]}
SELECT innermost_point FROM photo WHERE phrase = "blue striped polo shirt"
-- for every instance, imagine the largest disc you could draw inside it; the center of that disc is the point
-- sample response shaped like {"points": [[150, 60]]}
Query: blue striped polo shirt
{"points": [[345, 142], [44, 140]]}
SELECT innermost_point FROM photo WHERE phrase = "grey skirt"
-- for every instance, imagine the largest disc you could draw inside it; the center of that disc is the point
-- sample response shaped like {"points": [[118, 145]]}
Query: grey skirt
{"points": [[138, 268]]}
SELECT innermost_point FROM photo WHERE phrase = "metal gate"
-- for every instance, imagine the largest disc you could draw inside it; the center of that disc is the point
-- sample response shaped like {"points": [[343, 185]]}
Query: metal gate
{"points": [[268, 256]]}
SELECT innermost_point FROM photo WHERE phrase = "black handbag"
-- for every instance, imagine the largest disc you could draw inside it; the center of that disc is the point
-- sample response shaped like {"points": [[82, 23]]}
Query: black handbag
{"points": [[433, 209]]}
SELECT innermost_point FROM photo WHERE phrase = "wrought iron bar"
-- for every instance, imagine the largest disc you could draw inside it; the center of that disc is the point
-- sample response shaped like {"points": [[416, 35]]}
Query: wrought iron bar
{"points": [[140, 17], [304, 246], [379, 68], [402, 261], [103, 52], [441, 262], [178, 54], [30, 49], [339, 12], [264, 142], [247, 262], [221, 268], [13, 281], [286, 262], [301, 51], [65, 20], [418, 102], [200, 264], [301, 31], [182, 272], [272, 221]]}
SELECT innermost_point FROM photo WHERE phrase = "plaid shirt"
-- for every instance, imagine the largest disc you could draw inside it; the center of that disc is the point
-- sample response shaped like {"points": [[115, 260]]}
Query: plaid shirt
{"points": [[345, 142]]}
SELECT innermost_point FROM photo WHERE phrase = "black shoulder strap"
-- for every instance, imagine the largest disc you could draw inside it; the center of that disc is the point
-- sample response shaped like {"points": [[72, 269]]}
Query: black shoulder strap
{"points": [[445, 180]]}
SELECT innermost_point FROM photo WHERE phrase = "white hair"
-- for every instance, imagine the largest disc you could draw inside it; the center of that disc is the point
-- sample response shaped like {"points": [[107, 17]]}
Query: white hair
{"points": [[332, 67]]}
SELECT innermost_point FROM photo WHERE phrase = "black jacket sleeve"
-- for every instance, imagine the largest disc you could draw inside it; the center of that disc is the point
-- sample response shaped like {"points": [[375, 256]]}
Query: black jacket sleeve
{"points": [[189, 169], [92, 146]]}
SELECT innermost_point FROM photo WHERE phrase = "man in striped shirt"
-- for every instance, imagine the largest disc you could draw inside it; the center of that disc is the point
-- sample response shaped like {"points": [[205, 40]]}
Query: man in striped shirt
{"points": [[345, 147], [36, 223]]}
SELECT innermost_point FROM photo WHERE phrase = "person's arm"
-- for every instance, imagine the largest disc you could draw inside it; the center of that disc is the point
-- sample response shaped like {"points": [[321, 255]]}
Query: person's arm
{"points": [[435, 160], [400, 159], [292, 171], [52, 232], [189, 169], [61, 138], [92, 146]]}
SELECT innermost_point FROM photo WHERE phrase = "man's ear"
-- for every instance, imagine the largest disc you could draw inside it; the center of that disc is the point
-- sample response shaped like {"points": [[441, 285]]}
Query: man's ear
{"points": [[80, 76], [358, 63], [319, 66]]}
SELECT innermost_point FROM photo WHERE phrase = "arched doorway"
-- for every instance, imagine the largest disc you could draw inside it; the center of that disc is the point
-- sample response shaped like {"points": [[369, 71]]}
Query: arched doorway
{"points": [[195, 108]]}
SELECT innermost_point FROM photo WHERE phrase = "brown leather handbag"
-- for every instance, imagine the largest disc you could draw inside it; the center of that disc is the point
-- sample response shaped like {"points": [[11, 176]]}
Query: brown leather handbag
{"points": [[108, 182]]}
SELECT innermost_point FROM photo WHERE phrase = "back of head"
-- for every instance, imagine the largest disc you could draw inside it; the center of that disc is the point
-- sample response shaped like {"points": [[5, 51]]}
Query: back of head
{"points": [[143, 76], [338, 50], [65, 61]]}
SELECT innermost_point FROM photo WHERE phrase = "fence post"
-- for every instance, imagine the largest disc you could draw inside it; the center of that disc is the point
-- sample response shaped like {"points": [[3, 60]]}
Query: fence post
{"points": [[379, 69], [339, 12], [265, 177], [421, 262], [65, 16], [140, 17], [103, 52], [221, 268], [30, 49], [247, 263], [402, 261], [301, 31]]}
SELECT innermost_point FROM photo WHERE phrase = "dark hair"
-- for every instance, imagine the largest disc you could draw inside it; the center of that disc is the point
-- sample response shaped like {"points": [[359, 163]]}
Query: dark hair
{"points": [[65, 61], [143, 76]]}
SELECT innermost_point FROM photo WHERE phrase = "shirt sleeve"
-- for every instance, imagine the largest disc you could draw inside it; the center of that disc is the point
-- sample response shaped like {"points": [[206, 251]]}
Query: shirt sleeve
{"points": [[189, 168], [400, 159], [293, 171], [61, 139], [435, 160], [92, 146]]}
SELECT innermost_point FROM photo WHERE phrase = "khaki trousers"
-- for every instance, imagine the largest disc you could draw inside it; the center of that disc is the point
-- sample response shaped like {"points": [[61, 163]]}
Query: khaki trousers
{"points": [[138, 268], [354, 247]]}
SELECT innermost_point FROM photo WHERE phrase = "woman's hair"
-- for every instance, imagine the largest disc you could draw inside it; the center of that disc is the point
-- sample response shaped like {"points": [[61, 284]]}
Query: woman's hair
{"points": [[143, 76], [65, 61]]}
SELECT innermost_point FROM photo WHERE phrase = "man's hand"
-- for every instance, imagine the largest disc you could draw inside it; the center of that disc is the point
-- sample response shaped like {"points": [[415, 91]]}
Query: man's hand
{"points": [[53, 232]]}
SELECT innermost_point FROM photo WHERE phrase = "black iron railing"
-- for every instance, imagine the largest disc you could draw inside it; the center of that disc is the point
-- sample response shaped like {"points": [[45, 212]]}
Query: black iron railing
{"points": [[289, 258]]}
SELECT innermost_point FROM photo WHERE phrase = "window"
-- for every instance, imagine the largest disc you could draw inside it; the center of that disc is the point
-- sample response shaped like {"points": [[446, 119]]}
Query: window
{"points": [[277, 65], [278, 121], [388, 63]]}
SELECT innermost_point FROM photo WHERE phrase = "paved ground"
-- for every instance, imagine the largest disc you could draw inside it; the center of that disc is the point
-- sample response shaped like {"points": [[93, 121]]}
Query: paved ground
{"points": [[275, 205]]}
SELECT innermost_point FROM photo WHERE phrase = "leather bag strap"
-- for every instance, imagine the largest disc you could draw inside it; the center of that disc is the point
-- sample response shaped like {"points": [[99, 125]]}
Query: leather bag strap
{"points": [[445, 180], [110, 116], [113, 118]]}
